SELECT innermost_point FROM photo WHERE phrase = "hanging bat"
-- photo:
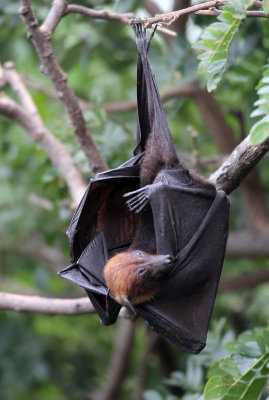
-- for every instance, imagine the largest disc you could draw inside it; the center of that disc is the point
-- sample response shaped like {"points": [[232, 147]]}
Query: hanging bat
{"points": [[162, 255]]}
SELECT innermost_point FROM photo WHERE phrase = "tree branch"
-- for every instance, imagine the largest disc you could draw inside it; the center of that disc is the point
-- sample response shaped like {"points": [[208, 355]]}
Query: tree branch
{"points": [[181, 22], [54, 16], [143, 368], [171, 17], [97, 14], [78, 306], [248, 244], [215, 12], [30, 120], [50, 67], [118, 365], [108, 16], [243, 282], [243, 158], [42, 305]]}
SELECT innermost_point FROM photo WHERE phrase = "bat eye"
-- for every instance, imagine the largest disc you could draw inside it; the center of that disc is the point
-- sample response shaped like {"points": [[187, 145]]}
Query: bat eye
{"points": [[141, 271], [137, 253]]}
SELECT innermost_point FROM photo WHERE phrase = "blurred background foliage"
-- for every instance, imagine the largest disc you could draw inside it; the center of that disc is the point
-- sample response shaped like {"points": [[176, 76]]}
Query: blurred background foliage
{"points": [[66, 357]]}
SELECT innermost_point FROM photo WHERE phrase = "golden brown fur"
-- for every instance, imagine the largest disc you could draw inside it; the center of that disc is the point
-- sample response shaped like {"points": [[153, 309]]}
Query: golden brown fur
{"points": [[135, 275]]}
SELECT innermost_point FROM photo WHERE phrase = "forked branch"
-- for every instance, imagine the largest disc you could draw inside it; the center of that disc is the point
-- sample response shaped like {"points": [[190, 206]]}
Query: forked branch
{"points": [[28, 117]]}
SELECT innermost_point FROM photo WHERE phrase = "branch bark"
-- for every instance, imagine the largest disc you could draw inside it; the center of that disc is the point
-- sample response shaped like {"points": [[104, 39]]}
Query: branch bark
{"points": [[79, 306], [143, 368], [42, 305], [29, 118], [50, 67], [181, 23], [248, 244], [243, 158], [198, 9], [98, 14], [118, 365], [244, 282]]}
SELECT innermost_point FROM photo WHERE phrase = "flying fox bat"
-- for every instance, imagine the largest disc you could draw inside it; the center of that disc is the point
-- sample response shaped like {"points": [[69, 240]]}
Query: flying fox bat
{"points": [[162, 255]]}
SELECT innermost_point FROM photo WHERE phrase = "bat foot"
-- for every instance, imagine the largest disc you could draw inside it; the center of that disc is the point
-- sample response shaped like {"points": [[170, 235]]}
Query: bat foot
{"points": [[137, 199]]}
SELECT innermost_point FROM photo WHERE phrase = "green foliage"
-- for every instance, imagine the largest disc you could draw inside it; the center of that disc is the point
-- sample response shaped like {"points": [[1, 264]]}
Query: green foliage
{"points": [[216, 39], [266, 6], [260, 130], [244, 374]]}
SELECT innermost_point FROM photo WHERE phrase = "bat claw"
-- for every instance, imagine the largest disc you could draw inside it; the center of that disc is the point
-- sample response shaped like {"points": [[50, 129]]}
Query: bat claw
{"points": [[129, 305], [137, 199]]}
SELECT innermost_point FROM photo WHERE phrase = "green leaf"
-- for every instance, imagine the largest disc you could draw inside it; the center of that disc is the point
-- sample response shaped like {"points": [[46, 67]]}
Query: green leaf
{"points": [[250, 349], [215, 388], [263, 90], [265, 79], [266, 6], [241, 377], [257, 113], [216, 39], [260, 131], [228, 365]]}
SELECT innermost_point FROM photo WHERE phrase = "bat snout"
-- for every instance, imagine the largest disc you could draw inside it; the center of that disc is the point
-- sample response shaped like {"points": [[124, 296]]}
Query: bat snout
{"points": [[161, 265], [161, 260]]}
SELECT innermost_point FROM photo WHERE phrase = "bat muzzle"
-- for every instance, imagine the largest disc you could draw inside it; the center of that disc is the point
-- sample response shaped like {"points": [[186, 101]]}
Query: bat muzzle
{"points": [[160, 265]]}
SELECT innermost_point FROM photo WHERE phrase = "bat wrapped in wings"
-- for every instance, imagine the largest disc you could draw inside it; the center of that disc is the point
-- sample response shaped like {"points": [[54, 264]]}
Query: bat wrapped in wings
{"points": [[151, 234]]}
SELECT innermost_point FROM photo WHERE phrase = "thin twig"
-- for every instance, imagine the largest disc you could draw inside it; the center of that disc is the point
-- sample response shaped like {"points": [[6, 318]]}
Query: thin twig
{"points": [[96, 14], [42, 305]]}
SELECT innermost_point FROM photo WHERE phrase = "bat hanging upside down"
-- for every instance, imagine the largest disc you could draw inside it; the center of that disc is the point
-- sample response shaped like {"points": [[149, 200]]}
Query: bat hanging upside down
{"points": [[135, 275]]}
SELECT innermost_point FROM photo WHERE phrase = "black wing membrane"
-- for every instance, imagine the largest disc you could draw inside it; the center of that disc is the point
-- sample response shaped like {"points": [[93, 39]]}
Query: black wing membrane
{"points": [[190, 222]]}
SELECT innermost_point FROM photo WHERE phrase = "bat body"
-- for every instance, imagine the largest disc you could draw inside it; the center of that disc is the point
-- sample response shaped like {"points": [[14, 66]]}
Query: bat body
{"points": [[135, 276], [162, 255]]}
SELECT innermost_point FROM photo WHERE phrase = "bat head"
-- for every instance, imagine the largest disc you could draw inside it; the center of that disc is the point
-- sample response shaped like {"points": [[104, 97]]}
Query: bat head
{"points": [[136, 275]]}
